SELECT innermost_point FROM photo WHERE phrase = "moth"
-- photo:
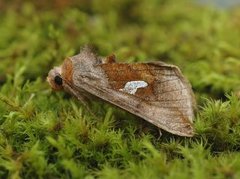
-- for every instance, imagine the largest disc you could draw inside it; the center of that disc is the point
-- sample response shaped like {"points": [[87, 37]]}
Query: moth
{"points": [[154, 91]]}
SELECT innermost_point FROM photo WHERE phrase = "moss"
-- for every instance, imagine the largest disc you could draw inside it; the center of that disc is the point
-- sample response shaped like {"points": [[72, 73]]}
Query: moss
{"points": [[51, 135]]}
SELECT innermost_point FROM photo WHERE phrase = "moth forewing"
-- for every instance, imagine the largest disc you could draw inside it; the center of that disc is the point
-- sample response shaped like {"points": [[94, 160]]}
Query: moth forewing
{"points": [[166, 119], [175, 120]]}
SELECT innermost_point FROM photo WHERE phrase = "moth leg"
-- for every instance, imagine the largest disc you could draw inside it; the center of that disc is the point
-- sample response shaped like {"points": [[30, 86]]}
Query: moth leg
{"points": [[83, 99], [160, 134], [85, 103]]}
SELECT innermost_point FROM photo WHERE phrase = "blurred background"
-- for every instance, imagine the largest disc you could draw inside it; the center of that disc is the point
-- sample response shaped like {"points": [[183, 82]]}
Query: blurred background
{"points": [[220, 3], [202, 37]]}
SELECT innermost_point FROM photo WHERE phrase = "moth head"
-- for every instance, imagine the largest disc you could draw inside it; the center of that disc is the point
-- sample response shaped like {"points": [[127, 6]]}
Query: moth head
{"points": [[60, 76], [55, 78]]}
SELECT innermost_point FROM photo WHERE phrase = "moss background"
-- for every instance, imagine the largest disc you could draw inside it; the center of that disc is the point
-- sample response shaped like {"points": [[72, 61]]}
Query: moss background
{"points": [[44, 134]]}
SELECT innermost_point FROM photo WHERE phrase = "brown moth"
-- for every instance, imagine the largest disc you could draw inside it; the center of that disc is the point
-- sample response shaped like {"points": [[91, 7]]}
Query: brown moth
{"points": [[154, 91]]}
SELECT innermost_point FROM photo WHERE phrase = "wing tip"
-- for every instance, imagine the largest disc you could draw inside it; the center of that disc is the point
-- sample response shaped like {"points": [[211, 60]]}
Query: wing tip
{"points": [[186, 131]]}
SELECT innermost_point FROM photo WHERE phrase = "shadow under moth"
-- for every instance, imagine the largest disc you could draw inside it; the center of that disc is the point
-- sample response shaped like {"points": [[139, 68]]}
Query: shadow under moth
{"points": [[154, 91]]}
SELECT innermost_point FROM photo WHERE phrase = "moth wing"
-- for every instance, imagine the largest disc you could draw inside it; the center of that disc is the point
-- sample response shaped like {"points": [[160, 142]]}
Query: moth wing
{"points": [[166, 102]]}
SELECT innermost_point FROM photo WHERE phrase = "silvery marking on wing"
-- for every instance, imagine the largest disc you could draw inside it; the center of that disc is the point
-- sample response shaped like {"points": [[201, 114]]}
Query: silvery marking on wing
{"points": [[132, 86]]}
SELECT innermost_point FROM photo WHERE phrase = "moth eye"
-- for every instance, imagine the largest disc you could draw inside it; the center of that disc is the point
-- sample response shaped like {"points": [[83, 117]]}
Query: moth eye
{"points": [[58, 80]]}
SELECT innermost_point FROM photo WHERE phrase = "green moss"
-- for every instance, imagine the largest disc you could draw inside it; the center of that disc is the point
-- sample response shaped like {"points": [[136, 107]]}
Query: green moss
{"points": [[44, 134]]}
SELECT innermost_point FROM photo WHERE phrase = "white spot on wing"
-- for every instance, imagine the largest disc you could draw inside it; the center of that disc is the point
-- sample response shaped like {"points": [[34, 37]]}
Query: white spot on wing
{"points": [[132, 86]]}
